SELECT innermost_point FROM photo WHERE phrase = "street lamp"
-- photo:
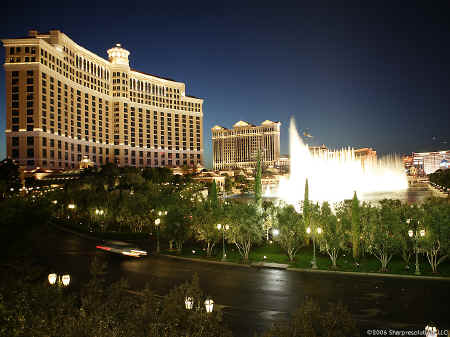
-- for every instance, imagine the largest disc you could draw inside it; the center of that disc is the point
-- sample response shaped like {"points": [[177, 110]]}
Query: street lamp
{"points": [[71, 206], [309, 231], [275, 232], [209, 305], [59, 280], [189, 302], [99, 212], [416, 235], [224, 228], [157, 222]]}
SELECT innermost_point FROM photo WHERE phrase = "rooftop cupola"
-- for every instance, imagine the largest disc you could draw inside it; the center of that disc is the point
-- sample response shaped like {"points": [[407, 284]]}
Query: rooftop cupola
{"points": [[118, 55]]}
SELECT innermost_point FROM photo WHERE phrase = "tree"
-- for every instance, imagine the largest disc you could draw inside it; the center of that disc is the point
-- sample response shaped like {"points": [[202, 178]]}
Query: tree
{"points": [[212, 194], [9, 177], [205, 221], [334, 234], [436, 242], [309, 320], [178, 224], [270, 216], [355, 227], [383, 232], [291, 236], [245, 228], [258, 185], [228, 184], [306, 209], [367, 214], [410, 220]]}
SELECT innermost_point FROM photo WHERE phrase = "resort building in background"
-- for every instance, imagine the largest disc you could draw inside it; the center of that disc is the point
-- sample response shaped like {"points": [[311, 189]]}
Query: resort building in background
{"points": [[429, 162], [66, 106], [367, 155], [238, 147]]}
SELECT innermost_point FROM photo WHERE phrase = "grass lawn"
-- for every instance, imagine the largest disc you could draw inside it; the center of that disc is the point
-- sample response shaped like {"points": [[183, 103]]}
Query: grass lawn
{"points": [[303, 259]]}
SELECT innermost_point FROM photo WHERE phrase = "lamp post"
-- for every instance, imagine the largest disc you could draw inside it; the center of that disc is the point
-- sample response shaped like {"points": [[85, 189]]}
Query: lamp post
{"points": [[157, 222], [416, 235], [189, 304], [309, 231], [59, 280], [72, 208], [224, 228], [209, 305]]}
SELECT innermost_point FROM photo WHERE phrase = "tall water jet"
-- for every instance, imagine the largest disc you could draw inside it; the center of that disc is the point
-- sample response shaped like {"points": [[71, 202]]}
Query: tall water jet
{"points": [[335, 175]]}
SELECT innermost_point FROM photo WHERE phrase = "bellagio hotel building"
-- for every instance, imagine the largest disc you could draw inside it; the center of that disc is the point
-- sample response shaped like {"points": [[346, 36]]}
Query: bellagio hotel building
{"points": [[65, 104], [238, 148]]}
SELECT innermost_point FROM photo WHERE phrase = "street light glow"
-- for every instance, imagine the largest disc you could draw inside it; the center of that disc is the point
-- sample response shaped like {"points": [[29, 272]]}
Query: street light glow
{"points": [[209, 304], [188, 302], [275, 232], [52, 278], [308, 230], [65, 280]]}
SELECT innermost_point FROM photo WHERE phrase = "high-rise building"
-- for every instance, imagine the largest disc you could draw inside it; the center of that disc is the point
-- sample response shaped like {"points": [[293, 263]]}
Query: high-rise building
{"points": [[238, 147], [65, 104], [429, 162]]}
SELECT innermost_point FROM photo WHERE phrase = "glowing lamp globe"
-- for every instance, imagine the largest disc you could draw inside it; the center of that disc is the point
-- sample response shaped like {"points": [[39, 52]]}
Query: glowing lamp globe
{"points": [[188, 302], [209, 305], [65, 280], [52, 278]]}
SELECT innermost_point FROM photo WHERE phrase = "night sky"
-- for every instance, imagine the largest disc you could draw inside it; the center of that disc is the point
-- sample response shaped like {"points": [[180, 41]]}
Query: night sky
{"points": [[351, 76]]}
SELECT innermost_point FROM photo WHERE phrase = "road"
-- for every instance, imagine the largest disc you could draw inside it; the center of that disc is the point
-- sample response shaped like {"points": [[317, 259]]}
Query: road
{"points": [[253, 299]]}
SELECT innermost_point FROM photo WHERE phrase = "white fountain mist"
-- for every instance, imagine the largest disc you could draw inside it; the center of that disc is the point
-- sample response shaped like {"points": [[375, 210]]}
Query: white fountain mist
{"points": [[335, 175]]}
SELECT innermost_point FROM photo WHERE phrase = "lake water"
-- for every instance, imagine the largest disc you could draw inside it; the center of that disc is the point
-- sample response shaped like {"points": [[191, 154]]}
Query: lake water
{"points": [[414, 194]]}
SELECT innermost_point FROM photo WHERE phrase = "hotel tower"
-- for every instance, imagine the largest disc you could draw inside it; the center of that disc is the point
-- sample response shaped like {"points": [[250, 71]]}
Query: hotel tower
{"points": [[239, 147], [65, 104]]}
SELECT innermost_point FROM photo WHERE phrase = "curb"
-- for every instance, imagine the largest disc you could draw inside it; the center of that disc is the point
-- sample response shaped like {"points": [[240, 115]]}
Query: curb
{"points": [[206, 261], [438, 278]]}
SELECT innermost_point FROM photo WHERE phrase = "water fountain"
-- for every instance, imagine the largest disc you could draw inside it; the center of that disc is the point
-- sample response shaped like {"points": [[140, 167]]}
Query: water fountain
{"points": [[334, 175]]}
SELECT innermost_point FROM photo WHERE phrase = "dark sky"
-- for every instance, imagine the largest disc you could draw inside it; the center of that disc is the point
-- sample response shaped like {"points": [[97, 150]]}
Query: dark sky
{"points": [[353, 76]]}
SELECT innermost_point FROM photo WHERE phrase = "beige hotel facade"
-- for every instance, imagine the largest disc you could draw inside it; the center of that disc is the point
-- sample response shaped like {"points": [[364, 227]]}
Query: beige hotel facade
{"points": [[238, 148], [65, 104]]}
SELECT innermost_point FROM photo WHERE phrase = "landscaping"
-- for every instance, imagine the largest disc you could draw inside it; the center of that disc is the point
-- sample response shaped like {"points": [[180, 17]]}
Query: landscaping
{"points": [[274, 254]]}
